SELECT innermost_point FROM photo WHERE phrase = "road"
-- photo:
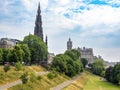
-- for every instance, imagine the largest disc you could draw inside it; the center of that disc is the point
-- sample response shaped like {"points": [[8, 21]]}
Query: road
{"points": [[18, 81], [61, 86]]}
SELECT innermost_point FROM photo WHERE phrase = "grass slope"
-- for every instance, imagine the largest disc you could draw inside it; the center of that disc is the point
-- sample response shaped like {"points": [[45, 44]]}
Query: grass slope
{"points": [[79, 83], [95, 83], [43, 84], [13, 75], [89, 81]]}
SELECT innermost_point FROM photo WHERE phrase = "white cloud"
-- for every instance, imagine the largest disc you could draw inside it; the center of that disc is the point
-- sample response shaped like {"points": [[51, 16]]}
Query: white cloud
{"points": [[98, 20]]}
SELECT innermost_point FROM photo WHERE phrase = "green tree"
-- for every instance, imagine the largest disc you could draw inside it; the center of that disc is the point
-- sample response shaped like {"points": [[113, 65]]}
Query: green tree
{"points": [[5, 55], [37, 48], [108, 73], [17, 54], [27, 54], [116, 74], [77, 53], [65, 64], [97, 67], [1, 52], [71, 54], [84, 62]]}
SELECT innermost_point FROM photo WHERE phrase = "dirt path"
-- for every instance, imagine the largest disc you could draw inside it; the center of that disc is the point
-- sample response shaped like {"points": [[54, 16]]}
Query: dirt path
{"points": [[18, 82], [61, 86]]}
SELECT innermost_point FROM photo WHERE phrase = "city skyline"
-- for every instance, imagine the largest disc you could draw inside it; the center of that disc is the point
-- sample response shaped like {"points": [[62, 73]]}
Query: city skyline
{"points": [[90, 23]]}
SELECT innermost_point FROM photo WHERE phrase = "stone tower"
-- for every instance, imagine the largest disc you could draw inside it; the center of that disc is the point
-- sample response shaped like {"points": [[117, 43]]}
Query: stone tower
{"points": [[38, 31], [69, 44]]}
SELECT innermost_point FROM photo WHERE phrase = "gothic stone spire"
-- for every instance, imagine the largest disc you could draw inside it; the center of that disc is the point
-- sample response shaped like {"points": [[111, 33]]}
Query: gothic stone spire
{"points": [[38, 31]]}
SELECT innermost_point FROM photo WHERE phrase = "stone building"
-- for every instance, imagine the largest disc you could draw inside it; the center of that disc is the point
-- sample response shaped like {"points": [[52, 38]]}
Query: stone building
{"points": [[8, 43], [69, 44], [87, 53]]}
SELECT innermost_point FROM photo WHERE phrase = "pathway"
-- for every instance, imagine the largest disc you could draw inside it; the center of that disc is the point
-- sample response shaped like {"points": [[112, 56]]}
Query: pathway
{"points": [[61, 86]]}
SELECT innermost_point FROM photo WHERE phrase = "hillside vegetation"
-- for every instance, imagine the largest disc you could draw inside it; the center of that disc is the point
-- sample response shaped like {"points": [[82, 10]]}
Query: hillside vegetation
{"points": [[13, 75], [44, 83]]}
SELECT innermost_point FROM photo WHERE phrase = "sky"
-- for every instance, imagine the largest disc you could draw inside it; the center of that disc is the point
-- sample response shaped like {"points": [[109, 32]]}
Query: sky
{"points": [[90, 23]]}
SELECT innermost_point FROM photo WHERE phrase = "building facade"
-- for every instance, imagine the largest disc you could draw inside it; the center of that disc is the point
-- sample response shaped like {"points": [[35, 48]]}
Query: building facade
{"points": [[87, 53], [8, 43]]}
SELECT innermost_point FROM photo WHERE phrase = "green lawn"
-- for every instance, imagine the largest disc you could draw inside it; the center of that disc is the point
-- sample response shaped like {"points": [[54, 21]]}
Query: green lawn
{"points": [[88, 81], [96, 83]]}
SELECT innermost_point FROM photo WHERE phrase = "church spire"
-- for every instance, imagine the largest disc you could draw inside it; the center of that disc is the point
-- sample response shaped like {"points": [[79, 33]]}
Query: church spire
{"points": [[38, 31]]}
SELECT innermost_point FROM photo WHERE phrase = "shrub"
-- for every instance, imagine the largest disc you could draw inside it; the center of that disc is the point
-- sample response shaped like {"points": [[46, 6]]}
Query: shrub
{"points": [[6, 68], [18, 66], [39, 78], [33, 77], [24, 77], [52, 75]]}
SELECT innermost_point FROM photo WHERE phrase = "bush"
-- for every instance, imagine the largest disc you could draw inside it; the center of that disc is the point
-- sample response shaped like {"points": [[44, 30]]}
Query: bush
{"points": [[39, 78], [24, 78], [6, 68], [18, 66], [52, 75], [33, 77]]}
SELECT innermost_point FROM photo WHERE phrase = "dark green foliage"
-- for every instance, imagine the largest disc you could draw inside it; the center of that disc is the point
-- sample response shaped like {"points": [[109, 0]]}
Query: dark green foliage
{"points": [[18, 66], [67, 63], [17, 54], [52, 75], [1, 53], [27, 54], [97, 67], [6, 68], [39, 78], [5, 55], [76, 52], [71, 54], [24, 77], [37, 48], [112, 74], [116, 74], [108, 73], [84, 62]]}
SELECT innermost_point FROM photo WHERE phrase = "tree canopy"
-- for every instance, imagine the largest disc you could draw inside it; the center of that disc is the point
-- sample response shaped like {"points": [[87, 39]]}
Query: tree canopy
{"points": [[37, 48], [67, 63], [84, 62]]}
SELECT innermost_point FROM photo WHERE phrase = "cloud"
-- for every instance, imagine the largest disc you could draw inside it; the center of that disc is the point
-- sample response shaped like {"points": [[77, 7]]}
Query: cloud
{"points": [[88, 24]]}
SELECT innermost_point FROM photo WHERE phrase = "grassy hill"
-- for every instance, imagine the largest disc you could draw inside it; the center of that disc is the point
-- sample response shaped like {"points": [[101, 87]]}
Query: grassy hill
{"points": [[89, 81], [13, 75], [44, 84]]}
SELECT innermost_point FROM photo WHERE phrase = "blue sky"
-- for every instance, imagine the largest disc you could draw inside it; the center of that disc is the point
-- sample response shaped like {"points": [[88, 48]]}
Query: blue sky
{"points": [[90, 23]]}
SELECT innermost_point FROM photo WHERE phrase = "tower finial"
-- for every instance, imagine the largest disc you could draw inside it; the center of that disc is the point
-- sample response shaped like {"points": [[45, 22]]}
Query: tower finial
{"points": [[39, 10]]}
